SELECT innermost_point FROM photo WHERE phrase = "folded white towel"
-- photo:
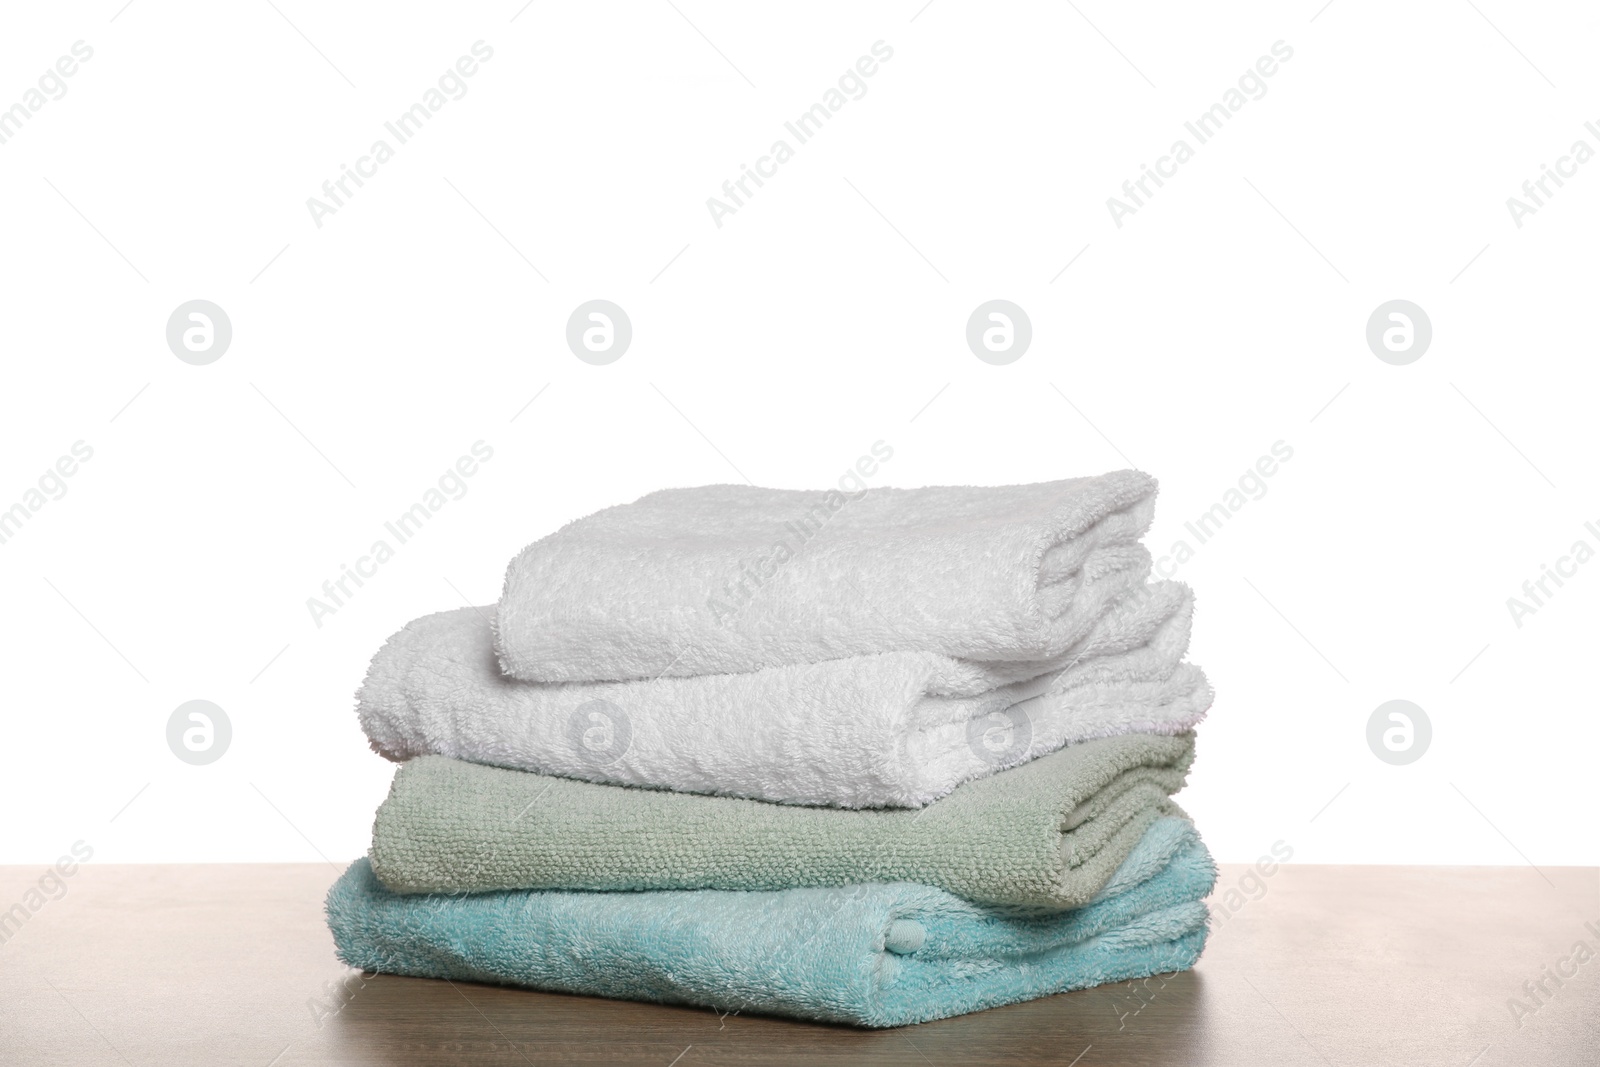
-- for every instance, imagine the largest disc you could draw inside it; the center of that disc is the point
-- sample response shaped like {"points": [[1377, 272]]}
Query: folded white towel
{"points": [[896, 729], [733, 579]]}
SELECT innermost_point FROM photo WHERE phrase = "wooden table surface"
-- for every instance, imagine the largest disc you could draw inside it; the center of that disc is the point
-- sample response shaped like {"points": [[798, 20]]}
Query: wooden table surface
{"points": [[219, 965]]}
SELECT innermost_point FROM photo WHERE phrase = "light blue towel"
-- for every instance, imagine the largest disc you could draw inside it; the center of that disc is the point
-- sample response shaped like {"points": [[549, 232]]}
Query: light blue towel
{"points": [[872, 955]]}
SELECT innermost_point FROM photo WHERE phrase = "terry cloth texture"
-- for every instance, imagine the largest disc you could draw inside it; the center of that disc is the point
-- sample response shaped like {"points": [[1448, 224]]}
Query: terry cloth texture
{"points": [[897, 729], [731, 578], [871, 955], [1047, 834]]}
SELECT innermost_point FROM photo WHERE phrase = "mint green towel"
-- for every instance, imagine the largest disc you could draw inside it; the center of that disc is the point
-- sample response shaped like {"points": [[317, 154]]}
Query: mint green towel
{"points": [[872, 955], [1047, 834]]}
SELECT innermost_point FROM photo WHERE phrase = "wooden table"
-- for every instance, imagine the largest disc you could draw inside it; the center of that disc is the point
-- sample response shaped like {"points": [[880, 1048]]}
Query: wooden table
{"points": [[218, 965]]}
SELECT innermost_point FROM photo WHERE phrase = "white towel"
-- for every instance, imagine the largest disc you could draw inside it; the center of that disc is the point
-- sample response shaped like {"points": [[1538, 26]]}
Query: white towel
{"points": [[733, 579], [896, 729]]}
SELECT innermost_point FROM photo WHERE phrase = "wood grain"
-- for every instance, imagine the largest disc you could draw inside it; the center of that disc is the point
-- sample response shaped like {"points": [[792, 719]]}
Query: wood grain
{"points": [[214, 965]]}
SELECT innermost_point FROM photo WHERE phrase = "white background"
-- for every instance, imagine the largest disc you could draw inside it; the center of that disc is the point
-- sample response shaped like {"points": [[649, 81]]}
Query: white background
{"points": [[827, 314]]}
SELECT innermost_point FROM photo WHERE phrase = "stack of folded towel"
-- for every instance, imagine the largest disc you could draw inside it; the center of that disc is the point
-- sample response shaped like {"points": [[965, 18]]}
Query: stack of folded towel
{"points": [[875, 758]]}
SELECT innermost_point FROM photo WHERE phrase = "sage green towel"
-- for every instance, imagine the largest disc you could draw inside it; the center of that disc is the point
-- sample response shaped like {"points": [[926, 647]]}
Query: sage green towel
{"points": [[1047, 834]]}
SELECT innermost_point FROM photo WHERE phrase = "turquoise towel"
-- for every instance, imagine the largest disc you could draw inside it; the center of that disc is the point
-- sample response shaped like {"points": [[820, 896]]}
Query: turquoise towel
{"points": [[872, 955]]}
